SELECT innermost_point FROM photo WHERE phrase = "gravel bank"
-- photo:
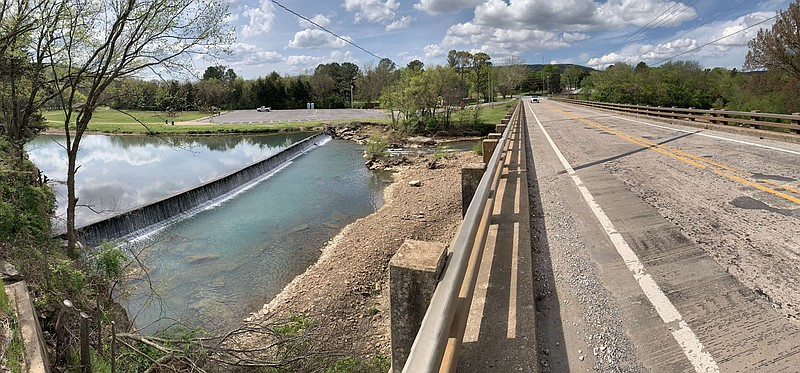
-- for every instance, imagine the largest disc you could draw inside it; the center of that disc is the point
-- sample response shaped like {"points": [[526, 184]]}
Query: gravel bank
{"points": [[346, 291]]}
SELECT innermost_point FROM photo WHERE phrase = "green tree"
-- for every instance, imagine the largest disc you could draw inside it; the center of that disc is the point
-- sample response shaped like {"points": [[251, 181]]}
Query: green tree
{"points": [[481, 70], [101, 41], [25, 71], [779, 47], [510, 75]]}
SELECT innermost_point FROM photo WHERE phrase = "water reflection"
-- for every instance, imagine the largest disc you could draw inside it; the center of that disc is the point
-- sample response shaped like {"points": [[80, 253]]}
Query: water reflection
{"points": [[120, 172]]}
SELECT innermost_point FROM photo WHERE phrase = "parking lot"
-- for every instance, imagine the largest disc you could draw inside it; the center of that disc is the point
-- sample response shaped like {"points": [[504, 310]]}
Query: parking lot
{"points": [[286, 116]]}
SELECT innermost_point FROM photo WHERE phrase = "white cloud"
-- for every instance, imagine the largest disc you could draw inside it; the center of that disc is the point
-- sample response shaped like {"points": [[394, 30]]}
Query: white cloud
{"points": [[580, 15], [374, 11], [401, 23], [269, 56], [260, 19], [434, 7], [315, 39], [249, 54], [303, 61], [502, 41], [570, 37], [433, 51], [736, 32], [729, 43], [318, 19], [306, 64], [642, 13]]}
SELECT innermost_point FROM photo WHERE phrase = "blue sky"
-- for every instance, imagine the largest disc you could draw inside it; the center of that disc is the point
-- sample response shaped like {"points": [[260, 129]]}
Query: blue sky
{"points": [[586, 32]]}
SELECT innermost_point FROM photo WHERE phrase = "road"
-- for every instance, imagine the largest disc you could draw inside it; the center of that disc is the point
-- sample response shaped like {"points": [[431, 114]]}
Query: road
{"points": [[662, 248]]}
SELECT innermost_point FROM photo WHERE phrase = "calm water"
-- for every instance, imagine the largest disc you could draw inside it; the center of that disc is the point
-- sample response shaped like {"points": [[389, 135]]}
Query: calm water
{"points": [[232, 257], [121, 172]]}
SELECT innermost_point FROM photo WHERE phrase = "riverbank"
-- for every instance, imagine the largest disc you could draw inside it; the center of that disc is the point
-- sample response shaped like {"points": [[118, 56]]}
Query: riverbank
{"points": [[346, 291]]}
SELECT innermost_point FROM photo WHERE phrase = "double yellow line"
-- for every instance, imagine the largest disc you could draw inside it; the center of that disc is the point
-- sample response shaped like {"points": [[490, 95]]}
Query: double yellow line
{"points": [[700, 162]]}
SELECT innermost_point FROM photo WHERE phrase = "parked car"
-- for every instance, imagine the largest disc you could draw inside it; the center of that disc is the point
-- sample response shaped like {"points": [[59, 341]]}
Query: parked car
{"points": [[535, 99], [263, 109]]}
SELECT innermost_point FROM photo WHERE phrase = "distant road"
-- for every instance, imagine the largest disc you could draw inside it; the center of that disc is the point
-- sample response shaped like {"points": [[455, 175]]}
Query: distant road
{"points": [[662, 248], [288, 116]]}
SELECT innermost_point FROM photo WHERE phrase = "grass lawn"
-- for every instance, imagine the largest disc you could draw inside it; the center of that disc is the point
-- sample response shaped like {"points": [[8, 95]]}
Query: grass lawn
{"points": [[106, 120]]}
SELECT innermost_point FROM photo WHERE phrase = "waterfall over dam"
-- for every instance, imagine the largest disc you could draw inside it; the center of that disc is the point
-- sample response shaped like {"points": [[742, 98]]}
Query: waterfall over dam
{"points": [[143, 217]]}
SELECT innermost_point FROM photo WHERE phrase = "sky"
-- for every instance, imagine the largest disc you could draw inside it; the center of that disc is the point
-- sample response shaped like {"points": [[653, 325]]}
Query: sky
{"points": [[584, 32]]}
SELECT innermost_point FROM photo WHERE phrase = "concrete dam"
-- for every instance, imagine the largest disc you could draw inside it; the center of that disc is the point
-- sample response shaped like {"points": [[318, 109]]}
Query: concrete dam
{"points": [[145, 217]]}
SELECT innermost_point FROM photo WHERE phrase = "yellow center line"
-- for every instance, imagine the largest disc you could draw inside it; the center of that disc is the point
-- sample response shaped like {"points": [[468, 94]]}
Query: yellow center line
{"points": [[691, 159], [770, 182], [758, 186]]}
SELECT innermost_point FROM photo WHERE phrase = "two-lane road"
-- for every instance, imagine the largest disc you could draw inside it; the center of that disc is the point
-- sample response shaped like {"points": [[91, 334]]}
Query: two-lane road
{"points": [[662, 248]]}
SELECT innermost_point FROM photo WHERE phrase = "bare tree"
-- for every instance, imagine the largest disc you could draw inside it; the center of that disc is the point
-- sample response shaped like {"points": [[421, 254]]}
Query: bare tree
{"points": [[99, 41], [778, 48]]}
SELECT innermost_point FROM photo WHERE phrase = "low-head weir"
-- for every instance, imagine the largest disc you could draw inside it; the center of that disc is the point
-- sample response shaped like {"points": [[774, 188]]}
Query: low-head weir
{"points": [[141, 218]]}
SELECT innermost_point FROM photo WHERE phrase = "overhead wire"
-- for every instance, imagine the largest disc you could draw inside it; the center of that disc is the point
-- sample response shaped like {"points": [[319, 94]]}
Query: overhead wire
{"points": [[707, 22], [325, 29], [631, 37], [716, 40]]}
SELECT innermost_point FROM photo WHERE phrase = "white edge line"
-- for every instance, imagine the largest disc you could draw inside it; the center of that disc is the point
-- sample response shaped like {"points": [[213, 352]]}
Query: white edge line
{"points": [[690, 344]]}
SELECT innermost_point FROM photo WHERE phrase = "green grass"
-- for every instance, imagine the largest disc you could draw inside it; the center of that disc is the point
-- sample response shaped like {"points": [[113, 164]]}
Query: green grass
{"points": [[106, 120], [492, 115], [111, 121], [105, 115]]}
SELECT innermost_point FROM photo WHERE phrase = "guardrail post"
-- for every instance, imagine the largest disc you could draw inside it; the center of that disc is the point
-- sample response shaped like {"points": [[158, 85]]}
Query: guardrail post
{"points": [[691, 119], [756, 118], [488, 147], [500, 128], [713, 115], [796, 122], [413, 274], [471, 175]]}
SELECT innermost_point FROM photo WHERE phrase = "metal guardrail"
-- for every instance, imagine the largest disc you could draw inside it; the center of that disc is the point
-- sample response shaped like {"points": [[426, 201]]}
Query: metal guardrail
{"points": [[438, 342], [754, 119]]}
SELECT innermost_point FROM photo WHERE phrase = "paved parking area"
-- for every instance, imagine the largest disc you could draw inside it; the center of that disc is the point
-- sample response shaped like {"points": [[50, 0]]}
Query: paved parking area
{"points": [[285, 116]]}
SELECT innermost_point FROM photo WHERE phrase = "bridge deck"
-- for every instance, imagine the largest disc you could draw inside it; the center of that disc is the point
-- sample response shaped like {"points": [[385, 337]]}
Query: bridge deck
{"points": [[587, 309]]}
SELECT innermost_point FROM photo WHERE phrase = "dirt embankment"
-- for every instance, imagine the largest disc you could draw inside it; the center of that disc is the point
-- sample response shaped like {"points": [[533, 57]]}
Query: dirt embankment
{"points": [[346, 291]]}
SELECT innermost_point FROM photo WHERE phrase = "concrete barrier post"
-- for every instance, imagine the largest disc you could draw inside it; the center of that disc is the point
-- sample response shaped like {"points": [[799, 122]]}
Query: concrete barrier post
{"points": [[413, 274], [471, 175], [755, 118], [500, 128], [488, 148]]}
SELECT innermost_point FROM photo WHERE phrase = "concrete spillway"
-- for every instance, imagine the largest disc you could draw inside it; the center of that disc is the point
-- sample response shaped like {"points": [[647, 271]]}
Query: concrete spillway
{"points": [[142, 217]]}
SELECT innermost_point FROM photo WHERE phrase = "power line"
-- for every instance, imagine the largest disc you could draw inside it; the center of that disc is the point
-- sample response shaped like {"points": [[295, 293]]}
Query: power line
{"points": [[326, 30], [709, 21], [716, 40], [643, 29]]}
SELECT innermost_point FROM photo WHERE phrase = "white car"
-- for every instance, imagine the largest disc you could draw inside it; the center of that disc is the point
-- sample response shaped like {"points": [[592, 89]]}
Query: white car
{"points": [[263, 109], [535, 99]]}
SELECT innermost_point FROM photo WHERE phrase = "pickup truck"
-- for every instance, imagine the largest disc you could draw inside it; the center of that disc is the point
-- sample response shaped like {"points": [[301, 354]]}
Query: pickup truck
{"points": [[264, 109]]}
